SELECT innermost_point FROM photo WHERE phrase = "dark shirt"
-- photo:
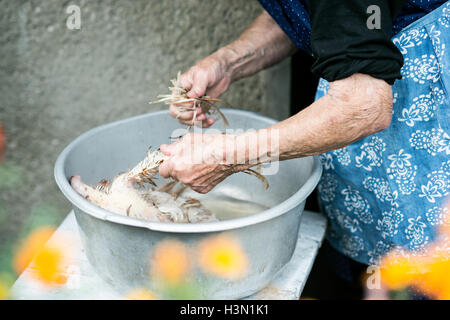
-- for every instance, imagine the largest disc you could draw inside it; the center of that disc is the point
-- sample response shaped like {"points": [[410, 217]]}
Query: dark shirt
{"points": [[335, 32]]}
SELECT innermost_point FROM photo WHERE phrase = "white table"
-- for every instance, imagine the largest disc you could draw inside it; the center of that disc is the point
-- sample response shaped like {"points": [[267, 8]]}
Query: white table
{"points": [[84, 283]]}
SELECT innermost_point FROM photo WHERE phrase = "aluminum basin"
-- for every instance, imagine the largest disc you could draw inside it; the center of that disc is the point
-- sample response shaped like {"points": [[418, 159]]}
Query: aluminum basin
{"points": [[119, 247]]}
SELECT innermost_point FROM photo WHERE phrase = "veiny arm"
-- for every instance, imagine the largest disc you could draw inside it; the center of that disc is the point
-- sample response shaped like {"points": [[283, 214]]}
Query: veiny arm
{"points": [[262, 45], [353, 108]]}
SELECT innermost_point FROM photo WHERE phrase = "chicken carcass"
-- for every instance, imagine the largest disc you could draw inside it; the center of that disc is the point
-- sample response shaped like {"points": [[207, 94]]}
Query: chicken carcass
{"points": [[134, 194]]}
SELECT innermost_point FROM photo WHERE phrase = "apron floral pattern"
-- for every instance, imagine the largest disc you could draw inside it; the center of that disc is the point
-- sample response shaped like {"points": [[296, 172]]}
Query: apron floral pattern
{"points": [[389, 189]]}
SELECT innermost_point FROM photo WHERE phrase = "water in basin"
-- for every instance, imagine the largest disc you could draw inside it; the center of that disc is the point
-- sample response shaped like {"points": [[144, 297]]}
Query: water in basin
{"points": [[226, 207], [228, 202]]}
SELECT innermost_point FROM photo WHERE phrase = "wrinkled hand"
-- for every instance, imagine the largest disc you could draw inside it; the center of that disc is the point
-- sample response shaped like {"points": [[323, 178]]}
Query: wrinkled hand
{"points": [[201, 160], [207, 77]]}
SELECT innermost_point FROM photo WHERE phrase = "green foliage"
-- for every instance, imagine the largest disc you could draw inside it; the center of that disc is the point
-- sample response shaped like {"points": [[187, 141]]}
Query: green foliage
{"points": [[11, 176], [42, 214], [185, 290], [399, 295]]}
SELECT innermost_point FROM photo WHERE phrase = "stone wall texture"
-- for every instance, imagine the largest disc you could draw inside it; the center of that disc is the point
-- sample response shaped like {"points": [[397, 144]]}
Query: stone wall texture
{"points": [[56, 83]]}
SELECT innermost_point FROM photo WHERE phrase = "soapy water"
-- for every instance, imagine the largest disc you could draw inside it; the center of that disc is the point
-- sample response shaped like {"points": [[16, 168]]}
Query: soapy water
{"points": [[227, 207]]}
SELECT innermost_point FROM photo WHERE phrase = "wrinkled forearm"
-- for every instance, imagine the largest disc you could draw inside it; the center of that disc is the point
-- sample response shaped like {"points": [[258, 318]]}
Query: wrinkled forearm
{"points": [[354, 108], [262, 45]]}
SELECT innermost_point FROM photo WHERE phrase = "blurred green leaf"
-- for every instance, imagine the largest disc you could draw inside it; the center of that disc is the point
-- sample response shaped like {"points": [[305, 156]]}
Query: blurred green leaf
{"points": [[11, 176], [7, 278], [400, 295], [42, 214], [2, 213], [6, 282], [6, 257], [186, 290]]}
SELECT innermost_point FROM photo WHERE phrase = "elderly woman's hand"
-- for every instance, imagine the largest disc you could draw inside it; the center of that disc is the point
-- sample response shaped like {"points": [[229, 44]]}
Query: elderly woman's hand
{"points": [[208, 77], [201, 161], [263, 44]]}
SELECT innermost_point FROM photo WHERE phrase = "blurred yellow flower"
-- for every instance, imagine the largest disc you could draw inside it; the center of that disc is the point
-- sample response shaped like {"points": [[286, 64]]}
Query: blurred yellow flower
{"points": [[223, 256], [397, 271], [428, 271], [4, 291], [30, 247], [48, 261], [170, 261], [435, 281], [140, 294], [48, 265]]}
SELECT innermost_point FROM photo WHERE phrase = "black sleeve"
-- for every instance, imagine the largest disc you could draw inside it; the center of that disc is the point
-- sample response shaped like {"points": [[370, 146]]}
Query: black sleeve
{"points": [[342, 43]]}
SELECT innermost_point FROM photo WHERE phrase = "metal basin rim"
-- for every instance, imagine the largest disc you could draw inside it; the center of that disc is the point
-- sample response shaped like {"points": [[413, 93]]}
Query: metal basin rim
{"points": [[102, 214]]}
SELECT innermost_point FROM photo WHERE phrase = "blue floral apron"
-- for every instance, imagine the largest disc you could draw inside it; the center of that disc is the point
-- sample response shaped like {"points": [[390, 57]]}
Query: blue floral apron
{"points": [[389, 189]]}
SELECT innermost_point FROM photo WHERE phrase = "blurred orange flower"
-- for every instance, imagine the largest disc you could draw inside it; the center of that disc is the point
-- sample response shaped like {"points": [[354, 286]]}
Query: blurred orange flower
{"points": [[398, 271], [223, 256], [170, 261], [30, 247], [140, 294], [48, 261], [434, 279], [428, 270]]}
